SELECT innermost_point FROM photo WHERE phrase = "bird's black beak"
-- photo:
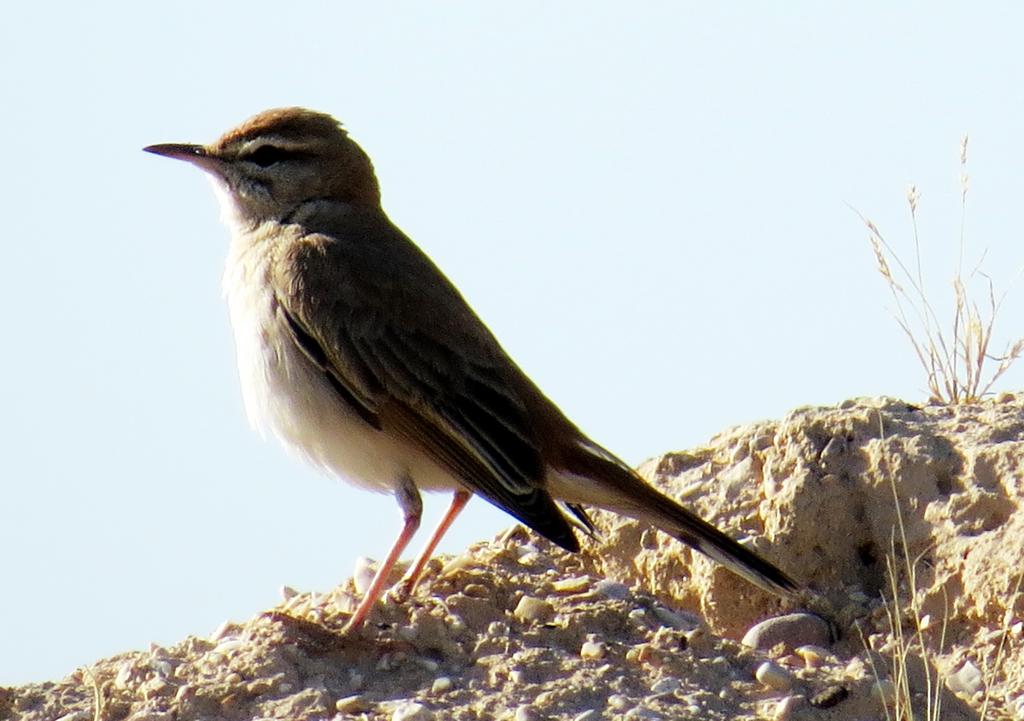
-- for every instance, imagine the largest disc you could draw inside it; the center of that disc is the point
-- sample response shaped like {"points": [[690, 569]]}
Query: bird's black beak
{"points": [[197, 155], [179, 151]]}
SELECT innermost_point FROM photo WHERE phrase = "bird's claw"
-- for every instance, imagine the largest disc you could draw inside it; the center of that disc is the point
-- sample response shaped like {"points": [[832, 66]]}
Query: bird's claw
{"points": [[401, 591]]}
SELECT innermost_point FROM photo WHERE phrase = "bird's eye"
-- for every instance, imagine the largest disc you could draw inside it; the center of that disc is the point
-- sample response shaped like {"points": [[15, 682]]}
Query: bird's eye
{"points": [[267, 155]]}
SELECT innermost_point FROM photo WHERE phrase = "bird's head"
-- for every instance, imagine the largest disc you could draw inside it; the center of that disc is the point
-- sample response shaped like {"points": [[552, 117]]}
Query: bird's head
{"points": [[275, 161]]}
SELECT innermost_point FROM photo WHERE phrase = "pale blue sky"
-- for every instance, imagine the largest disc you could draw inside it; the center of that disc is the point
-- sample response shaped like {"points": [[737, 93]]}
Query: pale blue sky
{"points": [[647, 202]]}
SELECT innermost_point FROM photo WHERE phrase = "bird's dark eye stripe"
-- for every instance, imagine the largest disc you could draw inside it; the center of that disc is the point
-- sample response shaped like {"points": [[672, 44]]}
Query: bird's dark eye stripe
{"points": [[267, 155]]}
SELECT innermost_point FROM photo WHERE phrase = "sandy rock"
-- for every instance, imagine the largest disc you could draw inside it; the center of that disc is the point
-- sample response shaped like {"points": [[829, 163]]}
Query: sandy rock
{"points": [[792, 630]]}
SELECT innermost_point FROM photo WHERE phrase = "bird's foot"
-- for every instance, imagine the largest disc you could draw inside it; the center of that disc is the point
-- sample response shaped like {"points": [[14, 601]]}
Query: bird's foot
{"points": [[401, 591]]}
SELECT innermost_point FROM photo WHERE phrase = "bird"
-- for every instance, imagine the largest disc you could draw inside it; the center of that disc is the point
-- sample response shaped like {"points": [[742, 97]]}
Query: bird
{"points": [[356, 351]]}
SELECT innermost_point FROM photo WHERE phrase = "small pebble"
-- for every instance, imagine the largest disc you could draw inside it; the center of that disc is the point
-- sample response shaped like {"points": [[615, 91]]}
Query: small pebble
{"points": [[676, 620], [162, 667], [784, 708], [123, 679], [543, 698], [665, 685], [428, 663], [576, 584], [1017, 629], [813, 656], [637, 615], [498, 629], [774, 676], [697, 641], [617, 701], [352, 704], [533, 610], [641, 653], [412, 711], [793, 630], [612, 589], [588, 715], [288, 593], [476, 590], [592, 649], [262, 686], [222, 631], [967, 681], [154, 687], [829, 697], [441, 685]]}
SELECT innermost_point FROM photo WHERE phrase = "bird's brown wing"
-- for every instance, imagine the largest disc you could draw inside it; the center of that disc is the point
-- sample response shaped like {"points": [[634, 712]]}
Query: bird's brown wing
{"points": [[401, 346]]}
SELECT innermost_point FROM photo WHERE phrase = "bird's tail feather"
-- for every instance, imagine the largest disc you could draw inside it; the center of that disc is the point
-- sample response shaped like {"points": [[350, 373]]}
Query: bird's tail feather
{"points": [[623, 491]]}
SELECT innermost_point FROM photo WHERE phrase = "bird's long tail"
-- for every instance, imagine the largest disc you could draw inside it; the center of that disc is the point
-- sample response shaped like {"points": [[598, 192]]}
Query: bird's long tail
{"points": [[616, 487]]}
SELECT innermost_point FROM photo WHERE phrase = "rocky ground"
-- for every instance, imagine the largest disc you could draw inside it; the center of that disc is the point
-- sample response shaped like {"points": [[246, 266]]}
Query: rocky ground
{"points": [[636, 627]]}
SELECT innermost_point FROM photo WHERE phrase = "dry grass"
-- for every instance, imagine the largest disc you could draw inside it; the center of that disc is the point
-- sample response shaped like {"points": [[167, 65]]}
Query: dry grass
{"points": [[957, 365], [97, 692], [909, 650]]}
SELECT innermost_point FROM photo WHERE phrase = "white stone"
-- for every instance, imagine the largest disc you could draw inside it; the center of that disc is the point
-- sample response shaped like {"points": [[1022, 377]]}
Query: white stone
{"points": [[412, 711], [774, 676], [533, 609], [967, 680]]}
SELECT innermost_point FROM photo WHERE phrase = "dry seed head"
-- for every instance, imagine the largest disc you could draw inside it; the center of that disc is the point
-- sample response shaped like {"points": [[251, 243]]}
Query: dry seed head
{"points": [[912, 197], [1015, 352], [963, 150], [883, 264]]}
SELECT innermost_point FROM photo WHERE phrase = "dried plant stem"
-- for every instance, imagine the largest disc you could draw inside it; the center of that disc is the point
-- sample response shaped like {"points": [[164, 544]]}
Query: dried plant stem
{"points": [[955, 367]]}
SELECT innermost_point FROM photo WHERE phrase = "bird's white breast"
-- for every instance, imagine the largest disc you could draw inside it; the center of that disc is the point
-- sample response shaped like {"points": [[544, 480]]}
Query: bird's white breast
{"points": [[287, 395]]}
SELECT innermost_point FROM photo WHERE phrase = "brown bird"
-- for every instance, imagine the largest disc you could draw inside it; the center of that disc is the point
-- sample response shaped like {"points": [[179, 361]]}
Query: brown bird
{"points": [[358, 352]]}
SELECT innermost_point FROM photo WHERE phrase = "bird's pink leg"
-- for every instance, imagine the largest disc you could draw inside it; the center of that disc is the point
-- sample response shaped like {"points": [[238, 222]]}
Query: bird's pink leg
{"points": [[412, 509], [407, 585]]}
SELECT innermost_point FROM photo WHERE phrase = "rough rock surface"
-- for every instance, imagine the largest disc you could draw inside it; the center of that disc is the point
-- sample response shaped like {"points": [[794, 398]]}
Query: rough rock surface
{"points": [[637, 627]]}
